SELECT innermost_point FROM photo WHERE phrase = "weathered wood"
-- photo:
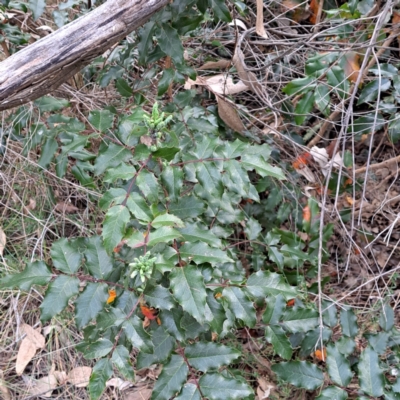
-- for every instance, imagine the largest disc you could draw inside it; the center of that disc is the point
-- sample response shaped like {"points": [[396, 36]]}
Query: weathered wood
{"points": [[45, 65]]}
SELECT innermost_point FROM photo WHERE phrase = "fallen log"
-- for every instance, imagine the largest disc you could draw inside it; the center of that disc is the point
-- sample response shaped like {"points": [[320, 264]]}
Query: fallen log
{"points": [[43, 66]]}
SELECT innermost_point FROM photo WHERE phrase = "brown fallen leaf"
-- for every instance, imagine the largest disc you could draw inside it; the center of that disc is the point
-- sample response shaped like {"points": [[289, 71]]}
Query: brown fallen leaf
{"points": [[26, 352], [260, 20], [220, 64], [141, 394], [30, 207], [119, 383], [61, 377], [66, 208], [43, 386], [229, 115], [5, 393], [248, 77], [3, 240], [351, 66], [34, 336], [79, 376], [220, 84]]}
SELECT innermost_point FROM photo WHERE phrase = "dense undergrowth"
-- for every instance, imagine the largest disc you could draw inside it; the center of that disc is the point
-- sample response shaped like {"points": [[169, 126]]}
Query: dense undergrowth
{"points": [[186, 229]]}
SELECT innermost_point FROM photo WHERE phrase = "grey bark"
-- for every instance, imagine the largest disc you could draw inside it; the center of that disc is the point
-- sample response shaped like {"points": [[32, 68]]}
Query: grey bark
{"points": [[43, 66]]}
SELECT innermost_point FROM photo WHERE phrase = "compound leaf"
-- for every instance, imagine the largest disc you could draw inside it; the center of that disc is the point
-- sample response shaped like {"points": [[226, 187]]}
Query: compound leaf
{"points": [[275, 335], [240, 305], [121, 360]]}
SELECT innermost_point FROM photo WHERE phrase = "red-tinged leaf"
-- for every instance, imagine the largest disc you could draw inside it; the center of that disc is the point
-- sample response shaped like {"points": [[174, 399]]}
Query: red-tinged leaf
{"points": [[306, 214], [290, 303], [150, 313], [320, 354], [112, 294]]}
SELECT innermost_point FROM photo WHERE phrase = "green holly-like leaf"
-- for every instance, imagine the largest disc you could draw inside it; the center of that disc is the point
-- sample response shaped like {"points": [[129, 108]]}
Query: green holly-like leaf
{"points": [[275, 335], [139, 208], [163, 235], [121, 359], [300, 373], [66, 257], [322, 98], [37, 7], [57, 296], [188, 287], [101, 373], [162, 343], [202, 253], [300, 320], [123, 171], [371, 90], [221, 10], [332, 392], [199, 233], [337, 79], [370, 374], [98, 262], [114, 226], [205, 356], [101, 119], [170, 43], [240, 305], [217, 387], [338, 366], [386, 319], [36, 273], [123, 87], [171, 379], [167, 220], [265, 283], [189, 392], [187, 207], [257, 163], [274, 309], [298, 86], [90, 302], [98, 349], [172, 179], [159, 297], [148, 185], [304, 107], [348, 321], [135, 333], [110, 156], [49, 103]]}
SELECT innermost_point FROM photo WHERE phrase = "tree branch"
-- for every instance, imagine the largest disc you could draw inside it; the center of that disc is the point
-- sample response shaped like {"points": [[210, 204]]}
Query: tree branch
{"points": [[43, 66]]}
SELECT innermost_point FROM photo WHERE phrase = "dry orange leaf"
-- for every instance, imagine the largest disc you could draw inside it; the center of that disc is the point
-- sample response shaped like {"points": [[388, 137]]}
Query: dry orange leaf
{"points": [[290, 303], [150, 313], [112, 294], [218, 295], [306, 214], [320, 354], [352, 66], [350, 200], [314, 5], [302, 161]]}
